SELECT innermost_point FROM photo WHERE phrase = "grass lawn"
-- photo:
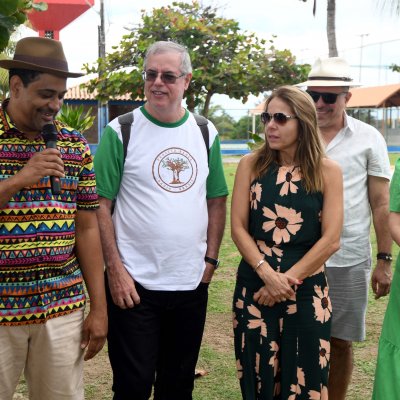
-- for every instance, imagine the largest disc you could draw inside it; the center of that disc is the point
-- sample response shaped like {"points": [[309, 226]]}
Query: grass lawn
{"points": [[217, 356]]}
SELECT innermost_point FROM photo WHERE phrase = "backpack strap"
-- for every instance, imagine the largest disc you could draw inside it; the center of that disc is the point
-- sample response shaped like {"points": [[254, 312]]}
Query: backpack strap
{"points": [[126, 121], [202, 122]]}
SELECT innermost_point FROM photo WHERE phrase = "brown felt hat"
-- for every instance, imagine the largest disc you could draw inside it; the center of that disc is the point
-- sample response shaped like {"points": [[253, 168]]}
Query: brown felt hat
{"points": [[40, 54]]}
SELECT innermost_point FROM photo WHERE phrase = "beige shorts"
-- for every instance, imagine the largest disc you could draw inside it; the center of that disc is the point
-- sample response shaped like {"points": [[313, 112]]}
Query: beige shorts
{"points": [[50, 356], [348, 290]]}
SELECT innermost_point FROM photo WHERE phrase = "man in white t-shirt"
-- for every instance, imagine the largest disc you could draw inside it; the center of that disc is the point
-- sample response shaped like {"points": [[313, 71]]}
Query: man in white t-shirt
{"points": [[362, 153], [161, 242]]}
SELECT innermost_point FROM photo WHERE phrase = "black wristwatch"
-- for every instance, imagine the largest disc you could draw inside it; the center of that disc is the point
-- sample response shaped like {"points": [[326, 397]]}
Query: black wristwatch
{"points": [[212, 261], [384, 256]]}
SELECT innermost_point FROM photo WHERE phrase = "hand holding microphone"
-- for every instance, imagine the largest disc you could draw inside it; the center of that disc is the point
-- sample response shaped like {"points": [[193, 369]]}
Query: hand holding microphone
{"points": [[49, 133]]}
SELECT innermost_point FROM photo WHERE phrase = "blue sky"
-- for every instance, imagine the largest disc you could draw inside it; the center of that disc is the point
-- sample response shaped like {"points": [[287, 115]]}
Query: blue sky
{"points": [[290, 20]]}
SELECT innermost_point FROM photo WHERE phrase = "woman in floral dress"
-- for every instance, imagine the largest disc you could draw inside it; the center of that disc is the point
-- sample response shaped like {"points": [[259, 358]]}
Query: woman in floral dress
{"points": [[285, 232]]}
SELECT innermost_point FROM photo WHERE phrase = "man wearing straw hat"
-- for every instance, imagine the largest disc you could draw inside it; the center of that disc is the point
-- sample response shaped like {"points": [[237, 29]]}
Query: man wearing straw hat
{"points": [[49, 236], [362, 153]]}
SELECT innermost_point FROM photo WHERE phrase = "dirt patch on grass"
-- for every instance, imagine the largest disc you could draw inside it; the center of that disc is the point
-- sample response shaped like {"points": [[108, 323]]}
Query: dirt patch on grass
{"points": [[218, 333]]}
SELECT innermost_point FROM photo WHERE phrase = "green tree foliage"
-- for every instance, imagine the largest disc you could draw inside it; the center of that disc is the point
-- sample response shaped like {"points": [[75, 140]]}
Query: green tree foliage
{"points": [[224, 122], [4, 87], [12, 15], [228, 128], [75, 118], [225, 59], [4, 84], [395, 68], [243, 128]]}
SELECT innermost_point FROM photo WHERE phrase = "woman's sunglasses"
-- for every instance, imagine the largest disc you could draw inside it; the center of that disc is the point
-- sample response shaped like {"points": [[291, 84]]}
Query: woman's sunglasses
{"points": [[279, 118], [166, 77], [327, 98]]}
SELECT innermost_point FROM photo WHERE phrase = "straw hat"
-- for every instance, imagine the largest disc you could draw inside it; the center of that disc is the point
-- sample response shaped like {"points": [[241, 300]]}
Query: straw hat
{"points": [[332, 71], [40, 54]]}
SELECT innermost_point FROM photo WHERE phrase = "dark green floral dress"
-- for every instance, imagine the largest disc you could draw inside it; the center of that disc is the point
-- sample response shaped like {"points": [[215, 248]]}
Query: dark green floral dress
{"points": [[282, 352]]}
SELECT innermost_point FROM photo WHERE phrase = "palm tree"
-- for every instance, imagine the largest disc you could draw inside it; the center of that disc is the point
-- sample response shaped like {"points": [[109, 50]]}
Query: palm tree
{"points": [[392, 5], [330, 26], [74, 117]]}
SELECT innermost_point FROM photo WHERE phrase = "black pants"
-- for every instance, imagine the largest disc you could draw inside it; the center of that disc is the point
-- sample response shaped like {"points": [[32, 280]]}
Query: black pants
{"points": [[156, 342]]}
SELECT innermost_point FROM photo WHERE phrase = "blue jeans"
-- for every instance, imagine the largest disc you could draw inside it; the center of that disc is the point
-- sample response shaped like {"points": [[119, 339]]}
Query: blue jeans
{"points": [[156, 342]]}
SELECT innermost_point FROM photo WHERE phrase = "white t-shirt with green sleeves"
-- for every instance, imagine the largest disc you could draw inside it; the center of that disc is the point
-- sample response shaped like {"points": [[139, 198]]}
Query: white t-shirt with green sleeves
{"points": [[161, 216]]}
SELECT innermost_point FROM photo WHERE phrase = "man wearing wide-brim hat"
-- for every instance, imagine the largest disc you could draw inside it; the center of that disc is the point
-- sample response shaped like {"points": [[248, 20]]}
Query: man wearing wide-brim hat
{"points": [[362, 153], [49, 238]]}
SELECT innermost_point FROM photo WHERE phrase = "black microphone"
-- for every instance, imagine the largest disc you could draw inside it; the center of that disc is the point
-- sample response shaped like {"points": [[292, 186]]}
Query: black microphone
{"points": [[49, 133]]}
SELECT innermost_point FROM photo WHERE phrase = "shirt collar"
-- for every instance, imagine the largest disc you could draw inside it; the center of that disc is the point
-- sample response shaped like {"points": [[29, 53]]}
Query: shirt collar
{"points": [[6, 123], [348, 123]]}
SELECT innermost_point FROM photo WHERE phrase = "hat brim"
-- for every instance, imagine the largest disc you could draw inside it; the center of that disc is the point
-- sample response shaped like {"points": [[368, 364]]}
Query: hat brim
{"points": [[328, 83], [9, 64]]}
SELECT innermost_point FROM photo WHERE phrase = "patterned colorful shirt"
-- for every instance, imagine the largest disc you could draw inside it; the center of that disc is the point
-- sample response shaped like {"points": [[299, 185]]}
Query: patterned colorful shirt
{"points": [[40, 277]]}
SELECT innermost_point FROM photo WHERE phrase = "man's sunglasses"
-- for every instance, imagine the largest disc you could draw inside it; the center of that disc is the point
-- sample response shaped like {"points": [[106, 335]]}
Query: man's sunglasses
{"points": [[327, 98], [279, 118], [166, 77]]}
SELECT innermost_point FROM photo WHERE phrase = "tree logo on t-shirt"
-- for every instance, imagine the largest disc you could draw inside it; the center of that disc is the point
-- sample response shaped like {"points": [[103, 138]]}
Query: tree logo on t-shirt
{"points": [[175, 170]]}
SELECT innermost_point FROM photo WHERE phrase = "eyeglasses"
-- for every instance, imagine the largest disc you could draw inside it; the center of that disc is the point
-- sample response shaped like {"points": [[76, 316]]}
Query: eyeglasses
{"points": [[166, 77], [327, 98], [279, 118]]}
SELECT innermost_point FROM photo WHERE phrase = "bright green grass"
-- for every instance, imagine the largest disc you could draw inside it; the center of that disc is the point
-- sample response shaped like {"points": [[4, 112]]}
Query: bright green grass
{"points": [[393, 157]]}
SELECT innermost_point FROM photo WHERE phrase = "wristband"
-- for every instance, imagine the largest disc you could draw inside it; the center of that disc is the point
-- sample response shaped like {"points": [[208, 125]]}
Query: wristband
{"points": [[384, 256], [212, 261]]}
